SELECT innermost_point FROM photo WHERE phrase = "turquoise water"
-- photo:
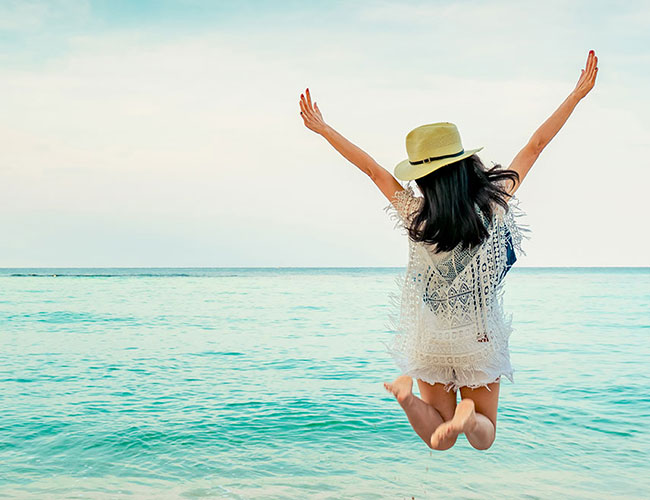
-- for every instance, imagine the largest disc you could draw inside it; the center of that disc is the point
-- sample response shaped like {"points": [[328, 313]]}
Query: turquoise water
{"points": [[267, 383]]}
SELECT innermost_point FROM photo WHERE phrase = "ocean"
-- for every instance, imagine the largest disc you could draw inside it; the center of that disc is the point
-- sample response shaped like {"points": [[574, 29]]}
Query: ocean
{"points": [[267, 383]]}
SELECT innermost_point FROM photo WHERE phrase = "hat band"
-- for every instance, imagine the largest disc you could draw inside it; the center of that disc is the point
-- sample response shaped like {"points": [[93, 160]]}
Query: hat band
{"points": [[433, 158]]}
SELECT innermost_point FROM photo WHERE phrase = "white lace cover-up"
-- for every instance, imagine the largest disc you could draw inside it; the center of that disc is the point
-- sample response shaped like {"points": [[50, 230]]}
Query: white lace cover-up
{"points": [[447, 320]]}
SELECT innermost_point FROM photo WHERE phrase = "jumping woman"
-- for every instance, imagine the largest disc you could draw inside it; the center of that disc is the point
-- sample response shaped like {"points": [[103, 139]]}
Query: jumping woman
{"points": [[451, 333]]}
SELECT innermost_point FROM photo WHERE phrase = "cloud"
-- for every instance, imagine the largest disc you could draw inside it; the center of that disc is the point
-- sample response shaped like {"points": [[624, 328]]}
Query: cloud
{"points": [[189, 150]]}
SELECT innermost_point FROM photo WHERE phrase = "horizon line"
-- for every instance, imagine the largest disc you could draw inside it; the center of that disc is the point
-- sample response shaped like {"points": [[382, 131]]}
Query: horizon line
{"points": [[301, 267]]}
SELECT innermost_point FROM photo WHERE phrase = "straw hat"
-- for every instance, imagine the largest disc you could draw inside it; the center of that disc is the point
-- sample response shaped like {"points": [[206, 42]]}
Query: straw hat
{"points": [[430, 147]]}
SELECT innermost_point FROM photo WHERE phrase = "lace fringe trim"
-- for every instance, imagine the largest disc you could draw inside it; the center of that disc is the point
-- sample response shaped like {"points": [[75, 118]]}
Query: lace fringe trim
{"points": [[513, 216], [453, 377], [402, 200], [518, 230], [446, 377]]}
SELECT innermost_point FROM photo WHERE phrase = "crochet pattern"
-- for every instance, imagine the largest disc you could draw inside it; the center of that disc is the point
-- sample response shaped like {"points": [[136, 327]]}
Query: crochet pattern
{"points": [[447, 316]]}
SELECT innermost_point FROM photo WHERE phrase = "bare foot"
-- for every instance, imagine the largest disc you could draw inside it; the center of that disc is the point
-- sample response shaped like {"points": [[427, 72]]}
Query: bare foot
{"points": [[464, 421], [402, 387]]}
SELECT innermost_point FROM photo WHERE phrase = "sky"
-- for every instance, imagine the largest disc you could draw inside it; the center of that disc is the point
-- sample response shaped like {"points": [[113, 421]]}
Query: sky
{"points": [[167, 133]]}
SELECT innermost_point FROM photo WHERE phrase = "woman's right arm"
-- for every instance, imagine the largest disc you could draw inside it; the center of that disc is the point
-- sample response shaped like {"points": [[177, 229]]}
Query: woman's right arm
{"points": [[525, 159]]}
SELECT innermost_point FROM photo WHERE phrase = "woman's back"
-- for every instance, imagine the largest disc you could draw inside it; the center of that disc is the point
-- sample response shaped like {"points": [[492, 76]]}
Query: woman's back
{"points": [[448, 318], [450, 327]]}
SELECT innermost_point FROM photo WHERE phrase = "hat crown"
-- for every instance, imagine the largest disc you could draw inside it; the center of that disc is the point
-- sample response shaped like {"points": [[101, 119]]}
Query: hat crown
{"points": [[433, 140]]}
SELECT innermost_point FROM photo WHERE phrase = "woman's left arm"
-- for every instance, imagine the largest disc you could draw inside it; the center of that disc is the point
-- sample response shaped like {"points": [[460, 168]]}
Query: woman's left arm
{"points": [[313, 120]]}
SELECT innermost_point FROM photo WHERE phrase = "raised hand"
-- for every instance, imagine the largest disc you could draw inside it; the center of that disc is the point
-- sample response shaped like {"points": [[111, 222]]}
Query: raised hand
{"points": [[587, 77], [311, 115]]}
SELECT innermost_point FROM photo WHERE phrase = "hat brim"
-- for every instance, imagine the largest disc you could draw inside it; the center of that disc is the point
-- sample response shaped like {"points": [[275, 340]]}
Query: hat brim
{"points": [[407, 172]]}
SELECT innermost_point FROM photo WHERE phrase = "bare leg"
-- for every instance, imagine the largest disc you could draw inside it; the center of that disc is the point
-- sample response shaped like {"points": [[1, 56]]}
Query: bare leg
{"points": [[423, 417], [475, 416], [464, 421], [486, 402], [483, 434]]}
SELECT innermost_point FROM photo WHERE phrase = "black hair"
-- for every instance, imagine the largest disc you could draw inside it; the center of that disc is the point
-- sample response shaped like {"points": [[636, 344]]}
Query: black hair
{"points": [[448, 216]]}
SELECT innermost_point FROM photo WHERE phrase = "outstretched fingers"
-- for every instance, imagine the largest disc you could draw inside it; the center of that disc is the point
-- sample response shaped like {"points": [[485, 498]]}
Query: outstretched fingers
{"points": [[588, 75], [591, 66], [310, 113], [305, 104]]}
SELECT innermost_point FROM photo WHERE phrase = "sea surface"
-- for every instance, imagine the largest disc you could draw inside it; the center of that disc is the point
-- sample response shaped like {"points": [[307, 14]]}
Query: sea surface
{"points": [[267, 383]]}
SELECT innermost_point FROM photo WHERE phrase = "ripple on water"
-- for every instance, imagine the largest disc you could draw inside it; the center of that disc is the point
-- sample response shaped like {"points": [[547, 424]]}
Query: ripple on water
{"points": [[173, 386]]}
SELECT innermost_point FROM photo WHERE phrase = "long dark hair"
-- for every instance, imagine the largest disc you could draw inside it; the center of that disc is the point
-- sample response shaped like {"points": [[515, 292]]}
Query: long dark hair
{"points": [[448, 215]]}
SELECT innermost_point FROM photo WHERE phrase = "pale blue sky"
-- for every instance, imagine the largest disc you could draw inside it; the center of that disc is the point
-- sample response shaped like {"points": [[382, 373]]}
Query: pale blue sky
{"points": [[167, 133]]}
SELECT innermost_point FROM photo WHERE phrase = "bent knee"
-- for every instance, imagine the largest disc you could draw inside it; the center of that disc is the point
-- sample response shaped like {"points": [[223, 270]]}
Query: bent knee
{"points": [[484, 446]]}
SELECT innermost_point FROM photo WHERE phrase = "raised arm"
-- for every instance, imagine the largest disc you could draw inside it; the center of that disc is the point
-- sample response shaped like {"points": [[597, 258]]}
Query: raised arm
{"points": [[525, 159], [313, 120]]}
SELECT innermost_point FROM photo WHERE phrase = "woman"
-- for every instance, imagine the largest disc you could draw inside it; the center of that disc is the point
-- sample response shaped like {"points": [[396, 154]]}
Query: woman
{"points": [[452, 334]]}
